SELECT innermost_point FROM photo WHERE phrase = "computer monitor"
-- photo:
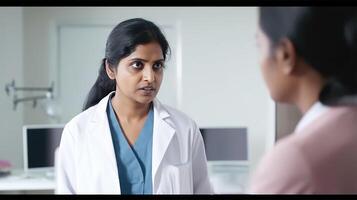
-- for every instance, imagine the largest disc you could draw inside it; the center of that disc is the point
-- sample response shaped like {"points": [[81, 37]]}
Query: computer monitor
{"points": [[227, 156], [39, 144], [225, 144]]}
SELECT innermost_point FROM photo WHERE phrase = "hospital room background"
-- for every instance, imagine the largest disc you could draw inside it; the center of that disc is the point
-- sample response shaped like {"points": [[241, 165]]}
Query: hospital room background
{"points": [[49, 59]]}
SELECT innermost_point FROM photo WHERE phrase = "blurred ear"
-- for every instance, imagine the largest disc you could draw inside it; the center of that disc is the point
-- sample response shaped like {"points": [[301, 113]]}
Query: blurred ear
{"points": [[286, 57], [109, 70]]}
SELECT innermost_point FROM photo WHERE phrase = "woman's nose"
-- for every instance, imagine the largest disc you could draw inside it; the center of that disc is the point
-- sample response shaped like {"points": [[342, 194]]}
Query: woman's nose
{"points": [[148, 74]]}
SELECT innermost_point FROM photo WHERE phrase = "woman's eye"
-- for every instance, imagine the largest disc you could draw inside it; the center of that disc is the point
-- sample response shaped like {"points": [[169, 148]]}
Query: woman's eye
{"points": [[137, 65], [158, 65]]}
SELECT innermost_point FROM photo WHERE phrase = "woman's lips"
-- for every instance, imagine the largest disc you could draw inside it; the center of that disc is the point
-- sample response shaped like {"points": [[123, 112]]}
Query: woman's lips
{"points": [[147, 91]]}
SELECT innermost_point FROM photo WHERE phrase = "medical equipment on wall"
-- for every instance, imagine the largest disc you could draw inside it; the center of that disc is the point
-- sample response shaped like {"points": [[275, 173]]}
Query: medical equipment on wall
{"points": [[12, 89]]}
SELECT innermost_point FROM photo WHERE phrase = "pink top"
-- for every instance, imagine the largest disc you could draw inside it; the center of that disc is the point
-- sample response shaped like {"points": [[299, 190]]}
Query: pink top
{"points": [[320, 159]]}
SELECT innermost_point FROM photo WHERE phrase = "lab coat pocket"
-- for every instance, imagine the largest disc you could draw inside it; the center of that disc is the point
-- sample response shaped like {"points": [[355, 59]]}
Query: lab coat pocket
{"points": [[181, 178]]}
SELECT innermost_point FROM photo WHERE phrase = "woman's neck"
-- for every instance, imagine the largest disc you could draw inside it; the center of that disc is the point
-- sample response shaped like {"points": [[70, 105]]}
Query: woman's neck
{"points": [[308, 91], [129, 110], [305, 102]]}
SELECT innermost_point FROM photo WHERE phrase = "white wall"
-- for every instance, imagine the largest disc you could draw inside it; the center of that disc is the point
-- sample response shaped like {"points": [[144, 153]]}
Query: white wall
{"points": [[221, 83], [222, 86], [11, 66]]}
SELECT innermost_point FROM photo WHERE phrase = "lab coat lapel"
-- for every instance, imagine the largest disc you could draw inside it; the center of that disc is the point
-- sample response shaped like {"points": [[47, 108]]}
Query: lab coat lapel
{"points": [[162, 135], [102, 137]]}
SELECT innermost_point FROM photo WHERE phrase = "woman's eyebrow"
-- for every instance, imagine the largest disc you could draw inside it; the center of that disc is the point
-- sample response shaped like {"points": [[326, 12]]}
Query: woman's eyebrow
{"points": [[138, 59], [143, 60]]}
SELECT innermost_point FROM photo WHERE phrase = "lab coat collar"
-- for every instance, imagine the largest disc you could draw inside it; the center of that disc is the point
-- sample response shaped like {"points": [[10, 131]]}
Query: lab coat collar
{"points": [[101, 109], [162, 135], [163, 132]]}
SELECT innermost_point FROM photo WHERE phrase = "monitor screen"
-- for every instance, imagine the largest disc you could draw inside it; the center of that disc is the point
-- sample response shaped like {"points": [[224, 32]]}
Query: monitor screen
{"points": [[225, 144], [40, 143]]}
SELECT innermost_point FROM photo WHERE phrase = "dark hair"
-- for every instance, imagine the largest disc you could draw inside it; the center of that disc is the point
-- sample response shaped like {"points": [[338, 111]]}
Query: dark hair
{"points": [[121, 42], [325, 37]]}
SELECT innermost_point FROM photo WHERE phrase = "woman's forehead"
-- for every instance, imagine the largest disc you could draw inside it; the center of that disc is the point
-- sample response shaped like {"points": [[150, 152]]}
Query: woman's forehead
{"points": [[150, 50]]}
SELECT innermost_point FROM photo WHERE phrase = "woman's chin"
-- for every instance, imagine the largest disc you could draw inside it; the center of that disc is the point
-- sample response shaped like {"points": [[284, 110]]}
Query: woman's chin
{"points": [[145, 99]]}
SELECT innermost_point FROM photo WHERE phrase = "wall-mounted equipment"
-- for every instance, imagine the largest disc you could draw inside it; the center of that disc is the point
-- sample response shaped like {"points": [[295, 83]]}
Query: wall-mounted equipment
{"points": [[12, 89]]}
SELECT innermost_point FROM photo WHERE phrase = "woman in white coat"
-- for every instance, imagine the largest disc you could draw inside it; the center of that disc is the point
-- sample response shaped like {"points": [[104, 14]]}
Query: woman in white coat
{"points": [[125, 141]]}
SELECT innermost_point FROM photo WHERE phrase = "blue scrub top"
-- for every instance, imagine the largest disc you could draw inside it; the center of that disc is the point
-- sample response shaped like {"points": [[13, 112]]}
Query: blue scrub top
{"points": [[133, 162]]}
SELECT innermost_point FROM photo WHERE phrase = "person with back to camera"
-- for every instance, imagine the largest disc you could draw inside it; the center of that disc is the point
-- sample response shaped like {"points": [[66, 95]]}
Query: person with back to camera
{"points": [[308, 58], [125, 141]]}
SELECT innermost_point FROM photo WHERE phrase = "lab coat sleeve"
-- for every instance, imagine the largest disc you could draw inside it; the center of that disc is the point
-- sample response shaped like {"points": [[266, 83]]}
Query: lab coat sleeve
{"points": [[201, 181], [65, 170]]}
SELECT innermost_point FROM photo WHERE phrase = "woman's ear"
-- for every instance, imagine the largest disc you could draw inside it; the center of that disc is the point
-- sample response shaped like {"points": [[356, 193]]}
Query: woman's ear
{"points": [[109, 70], [286, 56]]}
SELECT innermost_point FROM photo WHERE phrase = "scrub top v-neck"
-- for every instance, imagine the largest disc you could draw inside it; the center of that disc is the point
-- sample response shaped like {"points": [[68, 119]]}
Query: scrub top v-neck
{"points": [[133, 162]]}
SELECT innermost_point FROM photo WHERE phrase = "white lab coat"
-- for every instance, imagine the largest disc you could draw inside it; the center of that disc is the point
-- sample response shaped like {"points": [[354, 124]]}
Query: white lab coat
{"points": [[86, 162]]}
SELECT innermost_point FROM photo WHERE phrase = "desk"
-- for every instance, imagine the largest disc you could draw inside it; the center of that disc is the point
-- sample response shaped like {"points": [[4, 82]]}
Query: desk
{"points": [[225, 179], [18, 182]]}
